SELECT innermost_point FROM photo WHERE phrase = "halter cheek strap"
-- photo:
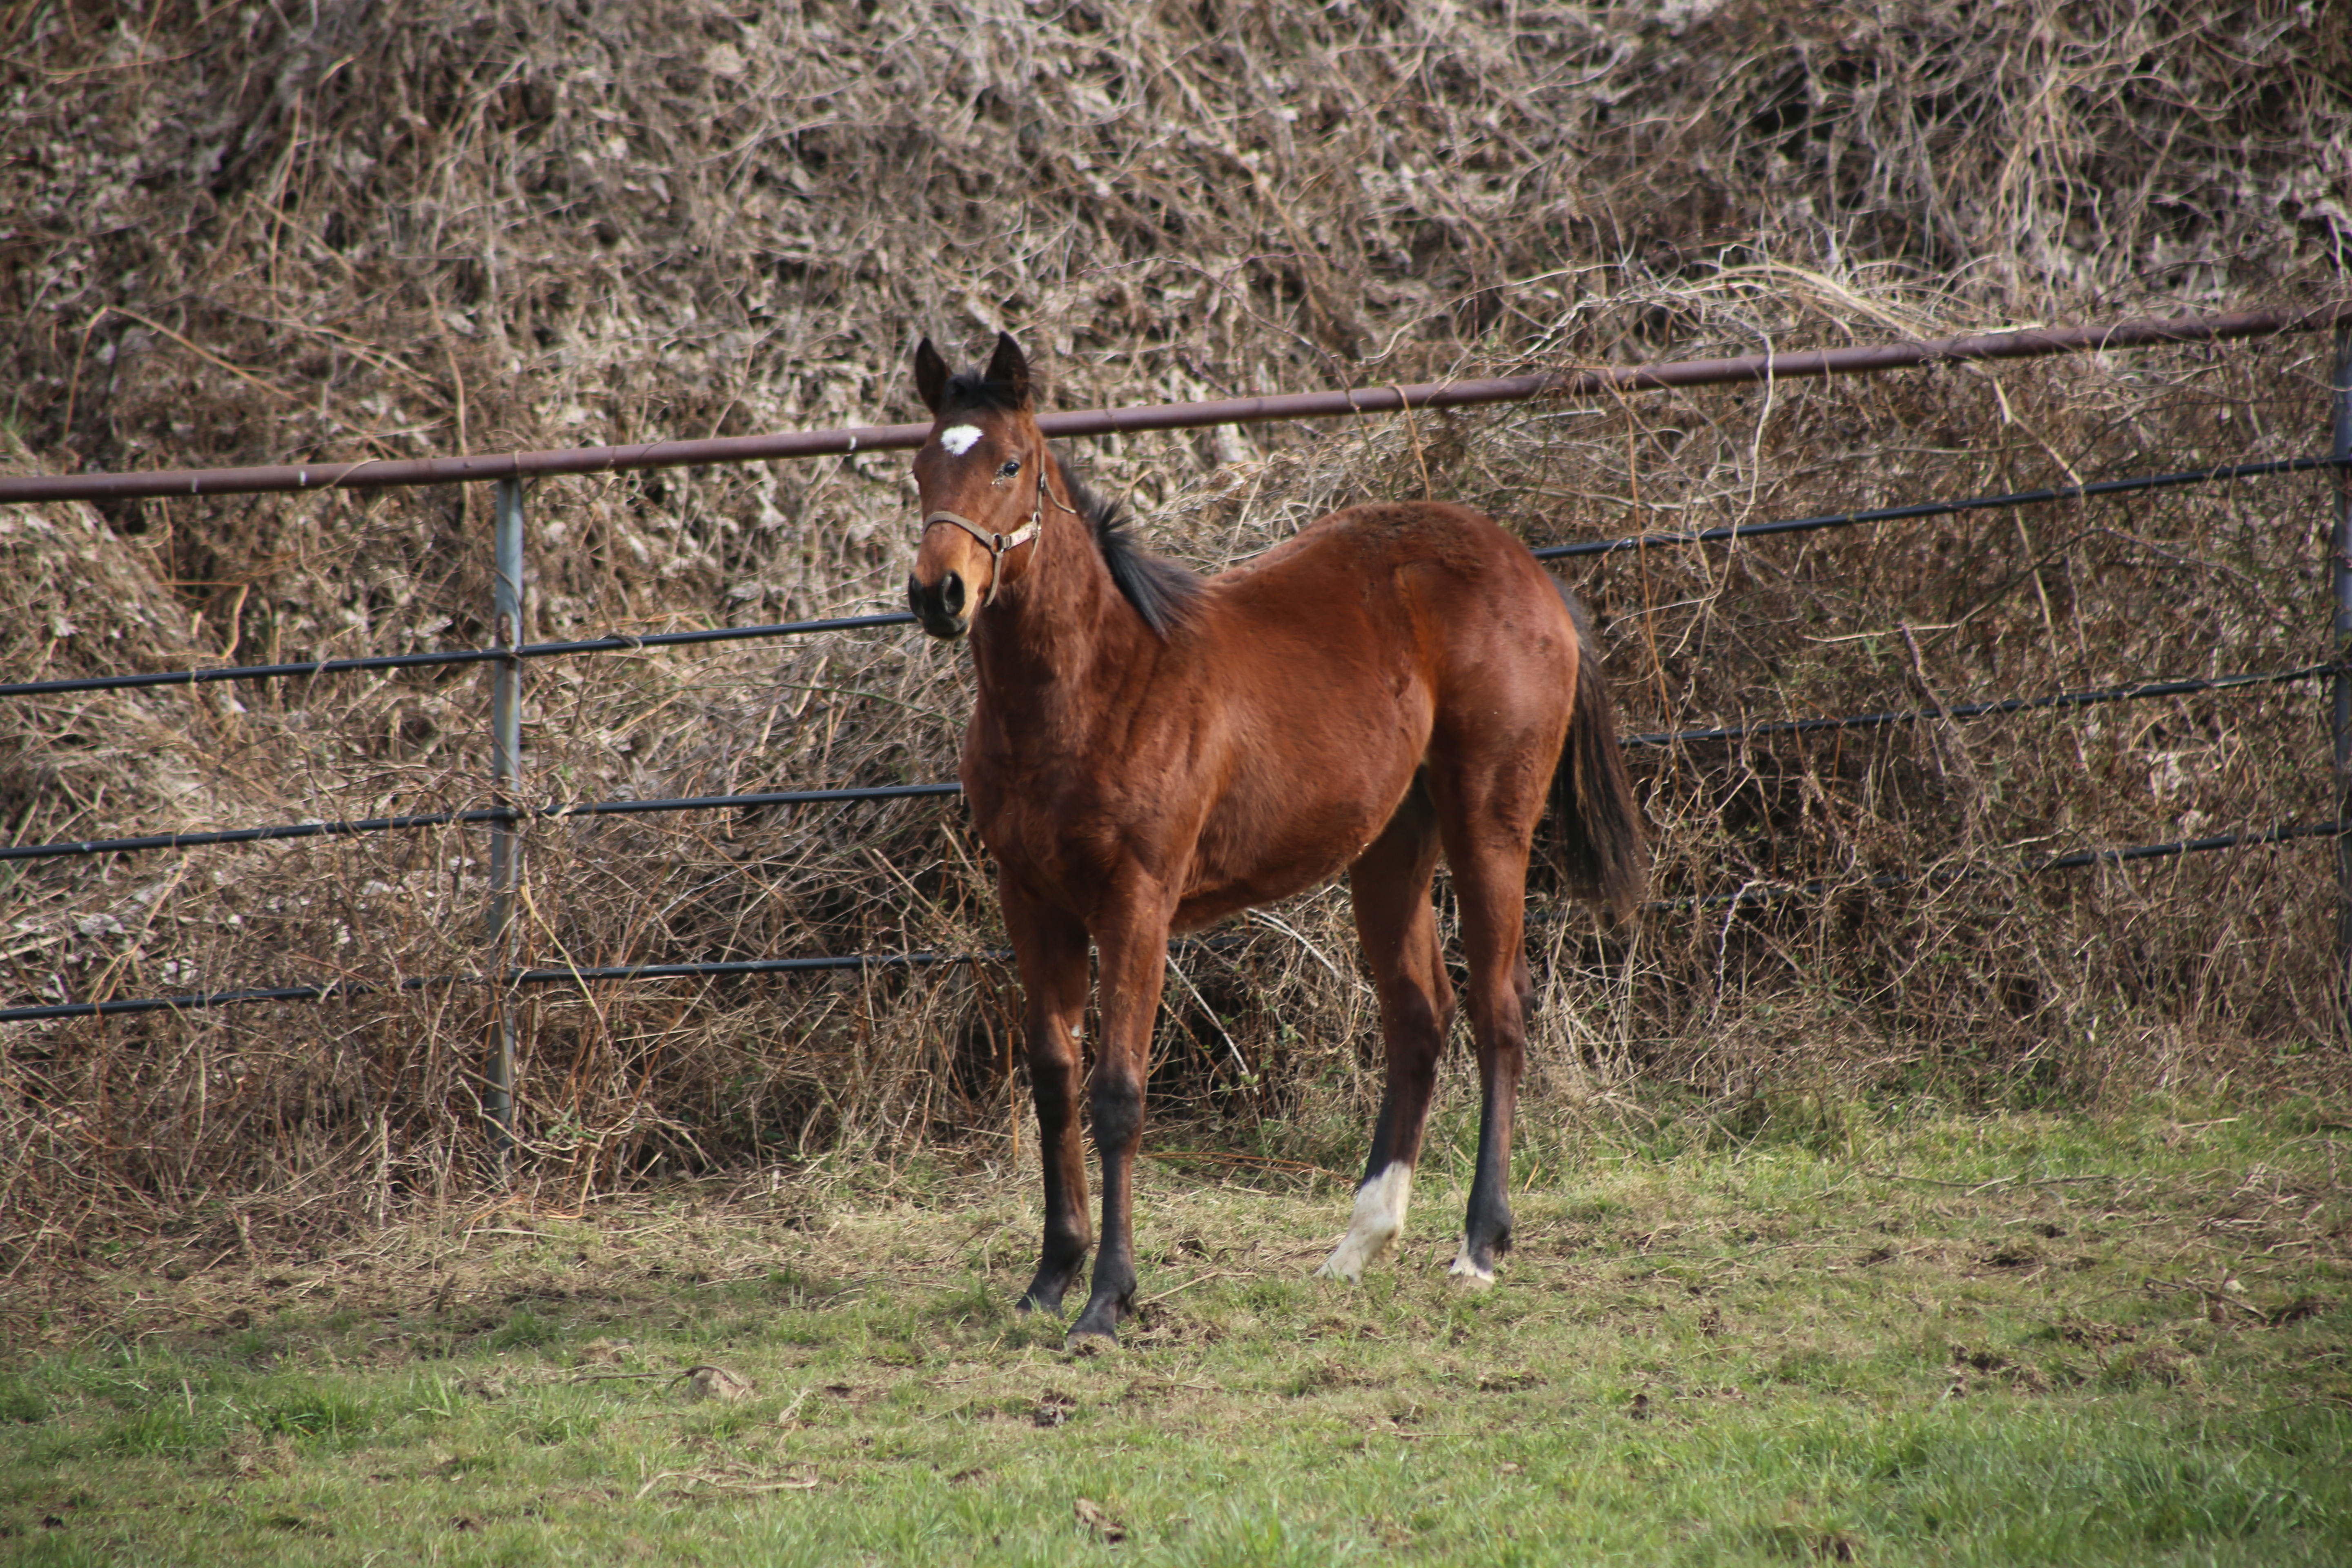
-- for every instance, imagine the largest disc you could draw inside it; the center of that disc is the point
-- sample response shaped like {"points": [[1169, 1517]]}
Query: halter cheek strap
{"points": [[996, 544]]}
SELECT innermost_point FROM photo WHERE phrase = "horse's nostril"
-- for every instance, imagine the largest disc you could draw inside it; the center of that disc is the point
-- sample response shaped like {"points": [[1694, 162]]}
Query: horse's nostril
{"points": [[939, 606]]}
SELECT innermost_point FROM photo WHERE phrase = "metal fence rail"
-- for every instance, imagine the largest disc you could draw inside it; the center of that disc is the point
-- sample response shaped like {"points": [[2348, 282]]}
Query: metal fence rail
{"points": [[374, 473], [506, 815], [2078, 860], [2004, 706], [367, 825], [1738, 531], [346, 988], [485, 814], [623, 644], [720, 968], [616, 643]]}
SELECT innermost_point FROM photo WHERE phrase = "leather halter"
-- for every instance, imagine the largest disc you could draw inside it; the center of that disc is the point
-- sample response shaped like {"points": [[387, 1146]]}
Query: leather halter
{"points": [[996, 544]]}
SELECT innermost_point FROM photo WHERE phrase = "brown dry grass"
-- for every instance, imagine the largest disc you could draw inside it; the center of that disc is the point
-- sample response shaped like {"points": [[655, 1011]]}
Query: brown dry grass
{"points": [[240, 237]]}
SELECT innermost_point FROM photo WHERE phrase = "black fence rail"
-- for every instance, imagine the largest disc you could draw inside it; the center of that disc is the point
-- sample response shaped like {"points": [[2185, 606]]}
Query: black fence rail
{"points": [[1731, 533], [1734, 532], [2080, 859], [509, 814], [341, 989], [863, 961], [498, 814], [618, 644], [504, 816]]}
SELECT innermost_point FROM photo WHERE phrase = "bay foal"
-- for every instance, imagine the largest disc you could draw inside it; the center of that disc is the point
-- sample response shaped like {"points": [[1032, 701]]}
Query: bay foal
{"points": [[1150, 752]]}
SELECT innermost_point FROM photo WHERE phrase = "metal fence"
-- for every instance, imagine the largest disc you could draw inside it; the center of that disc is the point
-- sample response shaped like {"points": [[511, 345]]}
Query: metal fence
{"points": [[506, 659]]}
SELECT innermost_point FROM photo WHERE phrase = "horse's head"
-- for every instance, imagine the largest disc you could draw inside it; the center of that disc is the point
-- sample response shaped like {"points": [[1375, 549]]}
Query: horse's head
{"points": [[982, 480]]}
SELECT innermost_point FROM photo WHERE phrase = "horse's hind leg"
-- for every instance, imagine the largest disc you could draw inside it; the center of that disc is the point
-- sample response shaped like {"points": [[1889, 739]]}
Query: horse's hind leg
{"points": [[1051, 950], [1488, 817], [1390, 885]]}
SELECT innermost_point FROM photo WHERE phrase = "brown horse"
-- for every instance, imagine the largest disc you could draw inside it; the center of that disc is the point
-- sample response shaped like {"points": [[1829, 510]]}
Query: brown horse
{"points": [[1150, 752]]}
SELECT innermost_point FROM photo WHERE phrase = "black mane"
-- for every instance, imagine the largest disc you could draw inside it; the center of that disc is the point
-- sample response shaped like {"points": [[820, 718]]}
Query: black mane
{"points": [[1162, 590]]}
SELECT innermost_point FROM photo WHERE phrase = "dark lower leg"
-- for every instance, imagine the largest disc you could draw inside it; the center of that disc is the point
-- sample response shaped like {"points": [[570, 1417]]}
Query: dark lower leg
{"points": [[1052, 952], [1416, 1010], [1382, 1198], [1489, 887], [1118, 1104], [1064, 1253], [1487, 1229], [1134, 958]]}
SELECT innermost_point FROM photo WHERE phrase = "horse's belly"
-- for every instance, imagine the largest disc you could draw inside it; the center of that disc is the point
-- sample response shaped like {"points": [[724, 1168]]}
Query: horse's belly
{"points": [[1253, 853]]}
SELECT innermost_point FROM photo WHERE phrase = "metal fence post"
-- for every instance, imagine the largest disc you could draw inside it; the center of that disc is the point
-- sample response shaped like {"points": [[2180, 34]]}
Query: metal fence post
{"points": [[2340, 572], [505, 851]]}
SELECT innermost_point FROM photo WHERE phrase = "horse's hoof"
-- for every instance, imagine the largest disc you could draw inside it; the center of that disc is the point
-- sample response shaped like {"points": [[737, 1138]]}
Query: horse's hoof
{"points": [[1471, 1274], [1045, 1294], [1337, 1267], [1097, 1326]]}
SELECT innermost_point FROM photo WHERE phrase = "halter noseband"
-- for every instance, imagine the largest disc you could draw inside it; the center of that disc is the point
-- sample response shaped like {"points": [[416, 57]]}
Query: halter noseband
{"points": [[996, 544]]}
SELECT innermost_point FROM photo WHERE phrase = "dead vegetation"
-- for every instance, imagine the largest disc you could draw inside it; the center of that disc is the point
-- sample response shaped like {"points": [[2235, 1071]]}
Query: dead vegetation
{"points": [[242, 235]]}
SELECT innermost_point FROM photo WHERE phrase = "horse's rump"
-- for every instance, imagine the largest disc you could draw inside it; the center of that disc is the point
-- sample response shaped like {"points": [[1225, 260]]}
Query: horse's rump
{"points": [[1377, 641]]}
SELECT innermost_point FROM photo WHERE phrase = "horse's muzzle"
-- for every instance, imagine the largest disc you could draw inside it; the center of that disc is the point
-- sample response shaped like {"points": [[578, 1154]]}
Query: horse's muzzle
{"points": [[940, 606]]}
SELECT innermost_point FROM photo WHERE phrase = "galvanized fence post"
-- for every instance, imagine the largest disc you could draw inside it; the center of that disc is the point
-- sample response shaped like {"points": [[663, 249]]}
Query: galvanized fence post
{"points": [[2339, 570], [506, 849]]}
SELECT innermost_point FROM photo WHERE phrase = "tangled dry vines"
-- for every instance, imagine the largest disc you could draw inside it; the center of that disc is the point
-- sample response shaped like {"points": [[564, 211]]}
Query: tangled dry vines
{"points": [[235, 238]]}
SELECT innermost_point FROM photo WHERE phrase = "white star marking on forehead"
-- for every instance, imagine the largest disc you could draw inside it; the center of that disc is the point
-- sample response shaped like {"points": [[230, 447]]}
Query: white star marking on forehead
{"points": [[957, 438]]}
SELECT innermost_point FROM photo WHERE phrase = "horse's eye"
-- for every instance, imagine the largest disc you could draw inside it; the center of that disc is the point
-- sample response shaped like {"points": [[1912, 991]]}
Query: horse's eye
{"points": [[1012, 467]]}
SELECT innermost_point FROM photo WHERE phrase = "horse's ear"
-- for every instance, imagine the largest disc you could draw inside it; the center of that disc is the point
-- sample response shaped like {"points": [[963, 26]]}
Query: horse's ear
{"points": [[930, 375], [1010, 366]]}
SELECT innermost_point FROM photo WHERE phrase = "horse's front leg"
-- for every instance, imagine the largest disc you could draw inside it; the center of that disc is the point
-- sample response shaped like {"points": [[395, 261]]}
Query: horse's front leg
{"points": [[1051, 949], [1133, 951]]}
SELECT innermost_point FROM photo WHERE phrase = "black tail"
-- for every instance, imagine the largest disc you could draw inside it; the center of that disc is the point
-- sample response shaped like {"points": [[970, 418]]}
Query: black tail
{"points": [[1600, 826]]}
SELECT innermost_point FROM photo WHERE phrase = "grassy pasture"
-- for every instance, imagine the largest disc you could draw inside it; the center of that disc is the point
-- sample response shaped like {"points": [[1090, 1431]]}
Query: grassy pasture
{"points": [[1793, 1331]]}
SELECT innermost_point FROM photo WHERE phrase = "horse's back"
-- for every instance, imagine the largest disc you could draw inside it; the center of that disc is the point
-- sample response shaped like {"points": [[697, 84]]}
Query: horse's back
{"points": [[1436, 593]]}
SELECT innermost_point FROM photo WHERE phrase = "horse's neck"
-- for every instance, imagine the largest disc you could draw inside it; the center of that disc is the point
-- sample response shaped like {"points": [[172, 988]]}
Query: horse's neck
{"points": [[1040, 650]]}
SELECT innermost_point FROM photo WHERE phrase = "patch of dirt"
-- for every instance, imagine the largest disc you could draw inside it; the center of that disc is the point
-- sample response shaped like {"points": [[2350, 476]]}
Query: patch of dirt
{"points": [[1509, 1382], [1999, 1369], [2097, 1334], [2151, 1364]]}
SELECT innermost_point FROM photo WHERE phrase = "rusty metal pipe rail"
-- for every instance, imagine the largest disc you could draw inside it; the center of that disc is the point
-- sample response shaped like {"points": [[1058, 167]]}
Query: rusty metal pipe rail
{"points": [[374, 473]]}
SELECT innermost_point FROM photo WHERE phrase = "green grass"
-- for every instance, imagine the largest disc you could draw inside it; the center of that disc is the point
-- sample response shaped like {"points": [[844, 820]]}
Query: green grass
{"points": [[1825, 1333]]}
